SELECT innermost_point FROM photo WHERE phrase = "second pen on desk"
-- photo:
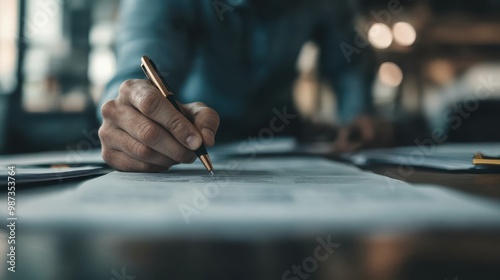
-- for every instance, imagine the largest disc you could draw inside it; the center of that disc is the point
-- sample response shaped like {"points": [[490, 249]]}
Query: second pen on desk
{"points": [[157, 80]]}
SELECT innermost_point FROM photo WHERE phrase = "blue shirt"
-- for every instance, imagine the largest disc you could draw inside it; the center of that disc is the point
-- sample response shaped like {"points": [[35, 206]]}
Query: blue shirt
{"points": [[239, 56]]}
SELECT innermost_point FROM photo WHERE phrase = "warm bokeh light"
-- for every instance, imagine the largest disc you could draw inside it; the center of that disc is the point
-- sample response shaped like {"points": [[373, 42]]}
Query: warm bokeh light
{"points": [[390, 74], [306, 87], [380, 36], [440, 71], [404, 34]]}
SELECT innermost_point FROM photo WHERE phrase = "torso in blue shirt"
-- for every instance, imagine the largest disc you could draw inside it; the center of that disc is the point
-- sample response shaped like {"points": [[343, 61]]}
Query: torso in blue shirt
{"points": [[239, 57]]}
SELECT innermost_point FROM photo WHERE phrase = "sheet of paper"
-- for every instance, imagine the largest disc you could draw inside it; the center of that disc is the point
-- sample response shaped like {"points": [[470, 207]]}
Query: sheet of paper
{"points": [[55, 166], [69, 157], [38, 174], [258, 197], [279, 146]]}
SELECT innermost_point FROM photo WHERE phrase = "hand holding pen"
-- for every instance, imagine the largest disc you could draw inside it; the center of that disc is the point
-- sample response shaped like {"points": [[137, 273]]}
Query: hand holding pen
{"points": [[143, 131]]}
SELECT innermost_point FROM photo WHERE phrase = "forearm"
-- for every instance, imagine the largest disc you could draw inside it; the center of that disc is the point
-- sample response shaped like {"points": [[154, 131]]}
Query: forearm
{"points": [[354, 91], [151, 27], [351, 76]]}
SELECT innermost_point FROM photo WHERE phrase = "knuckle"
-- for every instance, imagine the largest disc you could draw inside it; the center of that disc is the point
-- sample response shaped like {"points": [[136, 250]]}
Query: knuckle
{"points": [[103, 133], [108, 109], [143, 87], [126, 86], [198, 104], [149, 104], [141, 151], [150, 134], [177, 127], [107, 156], [210, 117]]}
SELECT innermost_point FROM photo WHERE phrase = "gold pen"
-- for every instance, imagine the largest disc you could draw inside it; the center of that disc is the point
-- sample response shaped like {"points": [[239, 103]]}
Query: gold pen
{"points": [[480, 159], [157, 80]]}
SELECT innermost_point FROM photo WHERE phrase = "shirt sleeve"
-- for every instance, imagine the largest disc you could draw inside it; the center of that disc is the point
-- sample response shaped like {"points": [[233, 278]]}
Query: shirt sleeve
{"points": [[160, 29], [346, 62]]}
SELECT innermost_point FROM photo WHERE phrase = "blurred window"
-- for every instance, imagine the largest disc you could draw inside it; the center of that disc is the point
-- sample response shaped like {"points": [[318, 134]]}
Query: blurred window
{"points": [[68, 57], [8, 50]]}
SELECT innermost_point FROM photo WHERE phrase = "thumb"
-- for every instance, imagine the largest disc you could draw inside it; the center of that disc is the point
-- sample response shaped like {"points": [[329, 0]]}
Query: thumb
{"points": [[205, 119]]}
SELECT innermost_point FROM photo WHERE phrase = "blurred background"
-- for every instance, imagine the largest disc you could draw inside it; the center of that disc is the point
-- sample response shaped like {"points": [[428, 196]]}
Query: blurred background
{"points": [[438, 61]]}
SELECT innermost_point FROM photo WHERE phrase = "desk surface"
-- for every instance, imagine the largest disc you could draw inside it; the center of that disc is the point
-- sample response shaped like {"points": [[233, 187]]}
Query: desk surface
{"points": [[483, 185]]}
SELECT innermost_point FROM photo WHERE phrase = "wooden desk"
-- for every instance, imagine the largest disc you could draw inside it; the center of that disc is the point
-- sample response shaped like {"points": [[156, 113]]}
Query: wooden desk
{"points": [[483, 185]]}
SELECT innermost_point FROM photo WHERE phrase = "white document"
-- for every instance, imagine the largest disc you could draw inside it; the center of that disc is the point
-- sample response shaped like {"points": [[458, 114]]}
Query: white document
{"points": [[278, 196], [68, 157], [55, 166]]}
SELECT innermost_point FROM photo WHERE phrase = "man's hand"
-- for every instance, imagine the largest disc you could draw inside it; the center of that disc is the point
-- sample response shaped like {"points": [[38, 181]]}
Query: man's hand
{"points": [[365, 132], [143, 132]]}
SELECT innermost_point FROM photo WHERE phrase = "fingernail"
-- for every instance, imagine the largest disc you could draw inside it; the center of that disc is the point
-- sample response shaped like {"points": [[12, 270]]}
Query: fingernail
{"points": [[194, 142], [208, 134]]}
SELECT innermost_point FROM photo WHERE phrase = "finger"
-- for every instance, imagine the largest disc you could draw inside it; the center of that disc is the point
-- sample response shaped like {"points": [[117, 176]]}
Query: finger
{"points": [[205, 119], [342, 140], [151, 134], [152, 104], [343, 144], [365, 125], [121, 141], [122, 162]]}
